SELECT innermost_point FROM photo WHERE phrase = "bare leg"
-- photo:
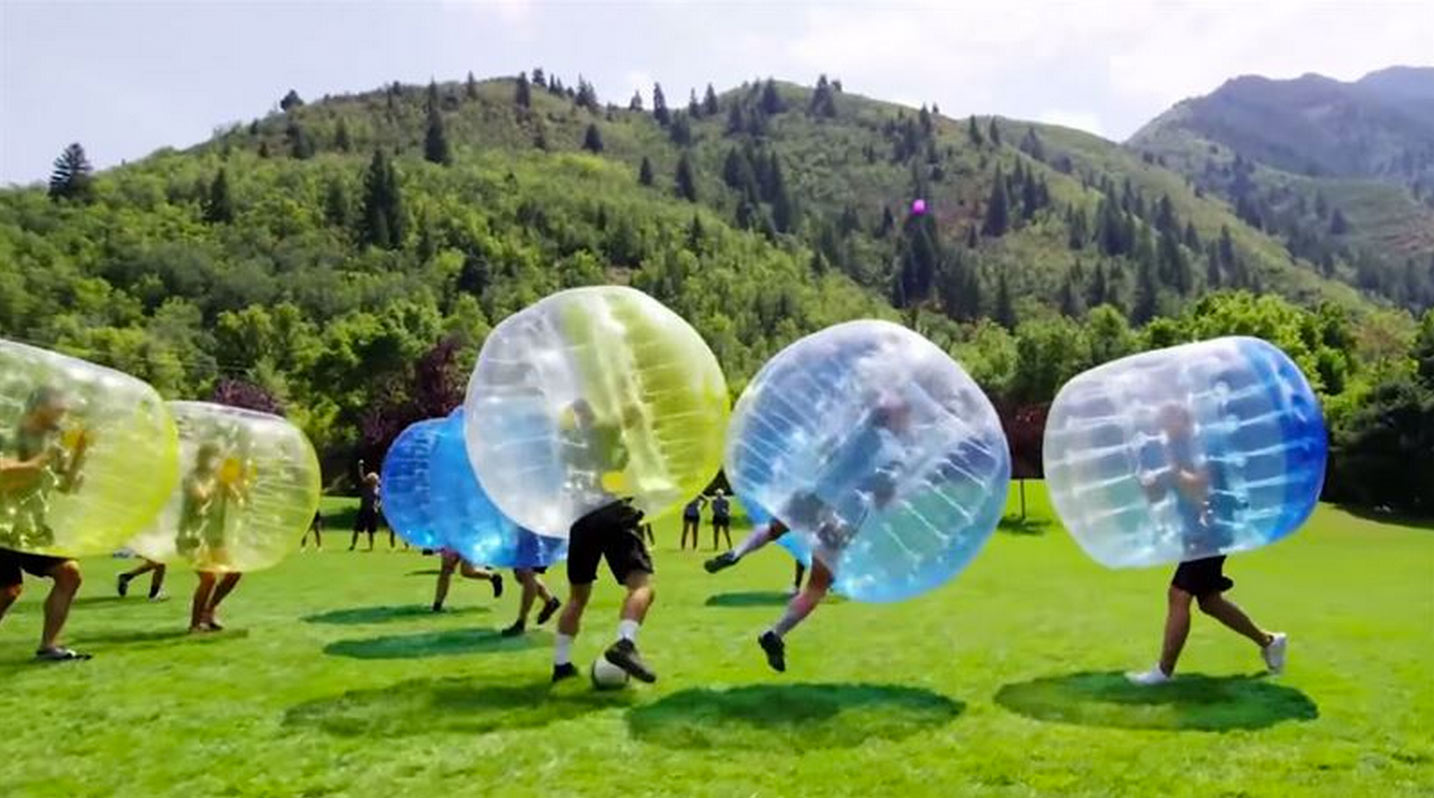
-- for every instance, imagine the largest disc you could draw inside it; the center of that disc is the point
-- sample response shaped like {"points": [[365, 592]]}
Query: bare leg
{"points": [[353, 544], [319, 537], [8, 596], [807, 600], [57, 605], [727, 533], [801, 572], [570, 621], [640, 595], [142, 568], [156, 581], [226, 586], [1227, 612], [445, 576], [1177, 628], [469, 572], [199, 606]]}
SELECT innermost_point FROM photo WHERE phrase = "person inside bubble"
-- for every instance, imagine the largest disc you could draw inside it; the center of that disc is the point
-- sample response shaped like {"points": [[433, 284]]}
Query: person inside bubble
{"points": [[211, 488], [1201, 580]]}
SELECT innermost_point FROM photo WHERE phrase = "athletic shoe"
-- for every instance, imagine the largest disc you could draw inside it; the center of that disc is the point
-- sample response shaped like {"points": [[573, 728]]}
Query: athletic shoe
{"points": [[122, 585], [624, 654], [515, 630], [1148, 678], [161, 596], [437, 607], [726, 559], [1274, 653], [775, 649], [59, 654], [567, 670], [548, 609], [214, 625], [497, 585]]}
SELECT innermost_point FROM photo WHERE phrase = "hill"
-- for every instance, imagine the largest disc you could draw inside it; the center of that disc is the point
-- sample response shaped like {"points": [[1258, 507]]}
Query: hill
{"points": [[1343, 173], [320, 253]]}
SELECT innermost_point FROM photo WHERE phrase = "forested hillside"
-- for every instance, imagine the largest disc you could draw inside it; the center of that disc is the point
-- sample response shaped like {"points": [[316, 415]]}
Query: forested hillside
{"points": [[344, 258]]}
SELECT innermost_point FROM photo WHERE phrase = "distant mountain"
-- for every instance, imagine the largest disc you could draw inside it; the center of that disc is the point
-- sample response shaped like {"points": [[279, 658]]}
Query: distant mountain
{"points": [[1341, 172]]}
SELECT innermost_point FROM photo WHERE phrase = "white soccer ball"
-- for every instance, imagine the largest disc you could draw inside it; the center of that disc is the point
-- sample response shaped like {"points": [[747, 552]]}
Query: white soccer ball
{"points": [[607, 676]]}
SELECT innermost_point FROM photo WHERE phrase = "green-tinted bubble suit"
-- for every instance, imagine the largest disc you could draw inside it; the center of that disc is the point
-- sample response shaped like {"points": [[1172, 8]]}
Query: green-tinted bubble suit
{"points": [[87, 454], [592, 395], [247, 490]]}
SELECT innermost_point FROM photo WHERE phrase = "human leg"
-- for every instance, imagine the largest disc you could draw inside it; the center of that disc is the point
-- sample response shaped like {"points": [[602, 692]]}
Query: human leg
{"points": [[225, 586]]}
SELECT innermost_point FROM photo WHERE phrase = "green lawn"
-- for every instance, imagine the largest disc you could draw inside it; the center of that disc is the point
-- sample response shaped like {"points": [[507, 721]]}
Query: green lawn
{"points": [[333, 681]]}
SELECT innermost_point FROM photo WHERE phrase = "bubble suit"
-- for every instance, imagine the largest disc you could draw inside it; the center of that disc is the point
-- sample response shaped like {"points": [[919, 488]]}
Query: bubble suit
{"points": [[879, 450], [594, 394], [90, 454], [432, 498], [792, 542], [248, 488], [1123, 439]]}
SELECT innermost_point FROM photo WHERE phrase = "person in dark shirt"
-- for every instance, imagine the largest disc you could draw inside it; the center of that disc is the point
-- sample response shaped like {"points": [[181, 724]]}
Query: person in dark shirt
{"points": [[367, 519], [1203, 580], [316, 526], [692, 521], [156, 570], [36, 462], [721, 519]]}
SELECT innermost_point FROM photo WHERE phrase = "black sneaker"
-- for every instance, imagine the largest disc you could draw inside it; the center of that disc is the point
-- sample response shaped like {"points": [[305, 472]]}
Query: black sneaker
{"points": [[515, 630], [624, 654], [497, 585], [122, 585], [726, 559], [775, 650], [437, 607], [548, 609], [564, 671]]}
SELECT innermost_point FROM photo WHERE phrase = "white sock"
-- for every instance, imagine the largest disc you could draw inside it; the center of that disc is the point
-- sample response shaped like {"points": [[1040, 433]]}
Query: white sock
{"points": [[627, 629], [562, 649]]}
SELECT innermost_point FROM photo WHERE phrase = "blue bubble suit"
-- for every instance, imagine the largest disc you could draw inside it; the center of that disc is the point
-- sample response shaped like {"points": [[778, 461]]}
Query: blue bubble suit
{"points": [[793, 543], [1188, 452], [470, 523], [879, 451], [405, 480]]}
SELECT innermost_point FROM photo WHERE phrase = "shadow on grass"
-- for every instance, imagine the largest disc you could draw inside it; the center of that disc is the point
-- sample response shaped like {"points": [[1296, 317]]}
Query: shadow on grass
{"points": [[1016, 525], [424, 572], [447, 643], [790, 717], [88, 603], [356, 616], [1194, 702], [760, 598], [149, 638], [1388, 517], [453, 705]]}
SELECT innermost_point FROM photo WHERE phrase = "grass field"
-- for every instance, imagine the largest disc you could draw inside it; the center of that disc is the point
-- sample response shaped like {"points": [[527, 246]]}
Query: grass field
{"points": [[333, 680]]}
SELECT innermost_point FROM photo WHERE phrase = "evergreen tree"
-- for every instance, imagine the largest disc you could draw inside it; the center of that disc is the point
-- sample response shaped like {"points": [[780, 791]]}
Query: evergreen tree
{"points": [[218, 205], [1030, 195], [1070, 298], [784, 212], [1146, 297], [1165, 215], [918, 263], [694, 109], [736, 120], [710, 106], [1097, 293], [680, 131], [974, 133], [341, 136], [382, 221], [430, 101], [70, 178], [540, 79], [1338, 225], [1192, 238], [823, 102], [587, 95], [301, 144], [644, 172], [994, 133], [290, 101], [435, 140], [523, 93], [659, 106], [470, 86], [1005, 311], [997, 208], [1031, 144], [888, 223], [1078, 232], [1212, 271], [772, 100], [1174, 268], [336, 204], [592, 139], [686, 179], [263, 149], [635, 104]]}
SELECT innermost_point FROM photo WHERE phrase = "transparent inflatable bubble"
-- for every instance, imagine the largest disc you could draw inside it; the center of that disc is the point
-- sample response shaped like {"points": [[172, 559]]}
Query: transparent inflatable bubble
{"points": [[591, 395], [88, 455], [1187, 452], [432, 498], [879, 450], [794, 544], [248, 487]]}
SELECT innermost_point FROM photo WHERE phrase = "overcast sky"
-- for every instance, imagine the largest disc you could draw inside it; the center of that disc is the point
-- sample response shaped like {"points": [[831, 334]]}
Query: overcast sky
{"points": [[126, 78]]}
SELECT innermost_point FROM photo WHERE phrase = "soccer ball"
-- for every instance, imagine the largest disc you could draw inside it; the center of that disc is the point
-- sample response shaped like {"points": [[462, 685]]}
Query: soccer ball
{"points": [[607, 676]]}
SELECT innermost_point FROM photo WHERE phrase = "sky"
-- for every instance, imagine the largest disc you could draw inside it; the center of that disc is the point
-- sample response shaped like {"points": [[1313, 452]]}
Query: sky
{"points": [[126, 78]]}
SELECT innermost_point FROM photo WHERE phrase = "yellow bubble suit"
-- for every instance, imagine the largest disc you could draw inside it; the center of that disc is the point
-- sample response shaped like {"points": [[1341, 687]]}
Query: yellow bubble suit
{"points": [[248, 487], [87, 454], [592, 395]]}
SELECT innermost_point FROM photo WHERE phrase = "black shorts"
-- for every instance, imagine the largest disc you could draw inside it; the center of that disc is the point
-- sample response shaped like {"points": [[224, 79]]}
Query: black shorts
{"points": [[1202, 577], [614, 533], [537, 569], [366, 521], [721, 520], [12, 563]]}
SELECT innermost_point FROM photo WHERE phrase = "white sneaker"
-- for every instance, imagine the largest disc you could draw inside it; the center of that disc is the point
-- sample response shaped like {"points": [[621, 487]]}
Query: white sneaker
{"points": [[1274, 653], [158, 597], [1147, 678]]}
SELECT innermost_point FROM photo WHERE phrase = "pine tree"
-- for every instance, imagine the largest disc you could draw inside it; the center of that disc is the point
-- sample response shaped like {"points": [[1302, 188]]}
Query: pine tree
{"points": [[686, 179], [918, 263], [635, 104], [997, 208], [1070, 298], [301, 144], [263, 149], [659, 106], [1174, 268], [1338, 225], [70, 178], [1146, 297], [994, 133], [1097, 292], [974, 133], [736, 120], [1031, 144], [587, 95], [710, 106], [1078, 230], [694, 109], [1030, 195], [680, 131], [1192, 238], [341, 136], [771, 103], [218, 205], [430, 100], [290, 101], [435, 140], [592, 139], [523, 93], [1005, 311], [784, 212], [539, 79], [644, 172], [888, 223], [336, 204], [1212, 270], [823, 102], [382, 222], [470, 86]]}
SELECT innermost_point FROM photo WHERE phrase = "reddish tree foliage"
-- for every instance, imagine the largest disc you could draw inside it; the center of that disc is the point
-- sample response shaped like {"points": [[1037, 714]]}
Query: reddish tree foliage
{"points": [[431, 389], [1025, 427], [238, 393]]}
